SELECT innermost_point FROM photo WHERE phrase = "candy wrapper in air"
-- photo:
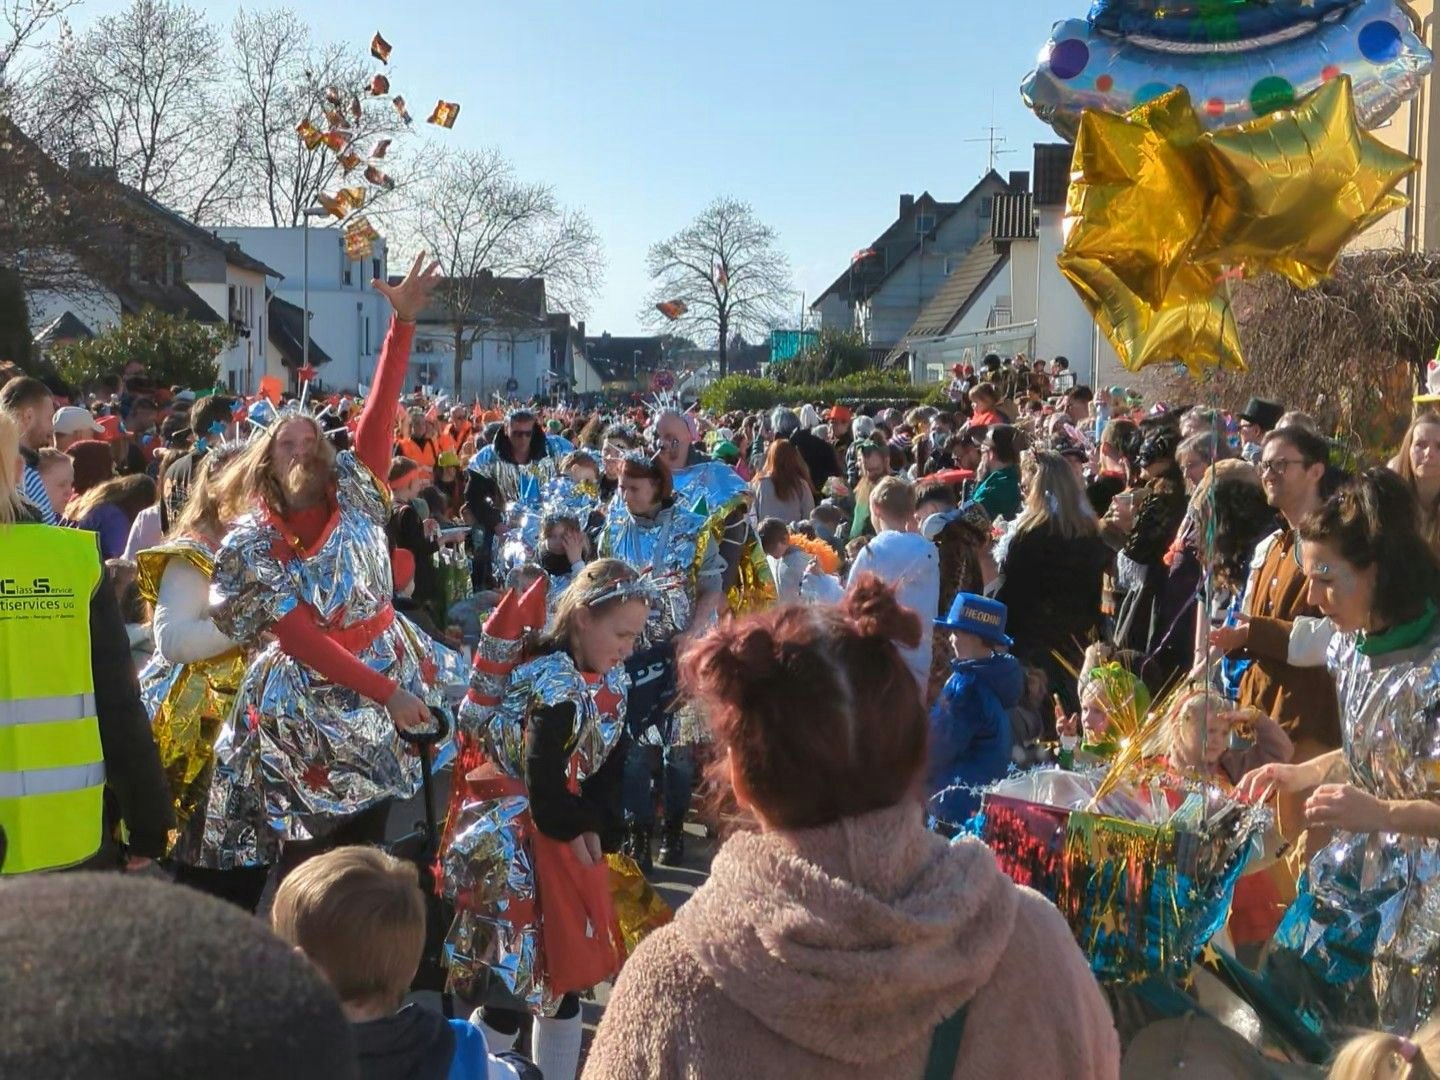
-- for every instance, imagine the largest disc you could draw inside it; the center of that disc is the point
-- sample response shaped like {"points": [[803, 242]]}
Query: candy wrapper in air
{"points": [[1143, 886]]}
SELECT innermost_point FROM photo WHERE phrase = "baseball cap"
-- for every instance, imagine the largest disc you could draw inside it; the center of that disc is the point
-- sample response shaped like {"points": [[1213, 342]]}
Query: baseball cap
{"points": [[72, 419], [109, 428]]}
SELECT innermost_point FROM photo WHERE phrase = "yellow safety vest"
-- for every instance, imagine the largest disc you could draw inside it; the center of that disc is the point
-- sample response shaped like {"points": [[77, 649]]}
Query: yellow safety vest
{"points": [[52, 769]]}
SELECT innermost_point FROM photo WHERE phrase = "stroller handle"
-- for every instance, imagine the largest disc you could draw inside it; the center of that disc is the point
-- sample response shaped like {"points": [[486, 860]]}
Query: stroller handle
{"points": [[429, 736]]}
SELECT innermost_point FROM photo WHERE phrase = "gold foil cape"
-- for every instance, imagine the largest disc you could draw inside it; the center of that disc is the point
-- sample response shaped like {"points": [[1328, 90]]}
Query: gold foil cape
{"points": [[187, 703], [638, 907]]}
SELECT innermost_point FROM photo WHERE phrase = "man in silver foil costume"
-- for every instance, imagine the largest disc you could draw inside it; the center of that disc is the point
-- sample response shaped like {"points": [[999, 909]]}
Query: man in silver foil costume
{"points": [[311, 753], [1361, 943], [511, 470], [674, 549]]}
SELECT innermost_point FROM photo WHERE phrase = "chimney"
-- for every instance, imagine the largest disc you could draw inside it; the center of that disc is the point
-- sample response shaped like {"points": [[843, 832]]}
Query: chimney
{"points": [[1019, 182], [907, 204]]}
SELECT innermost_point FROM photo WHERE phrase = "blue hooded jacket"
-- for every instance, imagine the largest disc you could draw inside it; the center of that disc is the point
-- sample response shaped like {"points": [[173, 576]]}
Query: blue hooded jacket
{"points": [[970, 731]]}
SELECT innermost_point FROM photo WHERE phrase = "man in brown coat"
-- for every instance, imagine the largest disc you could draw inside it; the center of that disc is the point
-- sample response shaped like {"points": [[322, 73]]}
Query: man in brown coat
{"points": [[1292, 468]]}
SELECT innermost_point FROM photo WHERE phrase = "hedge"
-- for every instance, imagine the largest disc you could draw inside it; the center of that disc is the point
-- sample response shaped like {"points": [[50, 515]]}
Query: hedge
{"points": [[748, 393]]}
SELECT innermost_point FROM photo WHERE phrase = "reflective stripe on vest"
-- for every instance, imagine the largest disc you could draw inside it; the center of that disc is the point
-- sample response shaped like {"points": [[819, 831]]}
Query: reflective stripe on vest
{"points": [[45, 710], [52, 771]]}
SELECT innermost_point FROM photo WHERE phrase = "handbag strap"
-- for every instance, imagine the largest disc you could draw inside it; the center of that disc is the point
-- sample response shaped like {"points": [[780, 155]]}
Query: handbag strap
{"points": [[945, 1046]]}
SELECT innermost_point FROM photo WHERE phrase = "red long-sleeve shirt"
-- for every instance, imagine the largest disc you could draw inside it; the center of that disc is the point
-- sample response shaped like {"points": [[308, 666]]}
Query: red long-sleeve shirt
{"points": [[299, 632]]}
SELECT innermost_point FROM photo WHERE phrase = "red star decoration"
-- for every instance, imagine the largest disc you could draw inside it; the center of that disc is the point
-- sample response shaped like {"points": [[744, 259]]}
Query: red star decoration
{"points": [[306, 373], [252, 718], [428, 671], [316, 777]]}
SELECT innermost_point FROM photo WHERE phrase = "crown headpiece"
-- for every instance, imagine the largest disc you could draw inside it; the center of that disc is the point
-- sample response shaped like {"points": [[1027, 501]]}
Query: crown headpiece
{"points": [[266, 417]]}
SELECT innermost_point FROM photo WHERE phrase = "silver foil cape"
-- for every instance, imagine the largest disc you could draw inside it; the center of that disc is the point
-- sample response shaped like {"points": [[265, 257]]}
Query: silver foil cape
{"points": [[674, 550], [300, 754], [558, 496], [486, 865], [1379, 887], [709, 488], [517, 480]]}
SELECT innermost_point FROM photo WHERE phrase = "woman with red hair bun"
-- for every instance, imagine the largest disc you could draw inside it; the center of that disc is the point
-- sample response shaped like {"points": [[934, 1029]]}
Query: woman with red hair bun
{"points": [[837, 936]]}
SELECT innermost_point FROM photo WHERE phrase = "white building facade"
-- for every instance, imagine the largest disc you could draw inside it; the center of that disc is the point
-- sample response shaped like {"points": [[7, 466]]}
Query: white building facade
{"points": [[347, 317]]}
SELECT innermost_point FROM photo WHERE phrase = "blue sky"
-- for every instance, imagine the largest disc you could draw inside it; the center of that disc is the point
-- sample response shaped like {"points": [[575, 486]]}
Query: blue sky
{"points": [[819, 114]]}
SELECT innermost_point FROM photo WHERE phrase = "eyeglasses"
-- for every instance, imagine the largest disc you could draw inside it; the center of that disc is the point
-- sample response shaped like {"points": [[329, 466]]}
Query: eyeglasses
{"points": [[1276, 465]]}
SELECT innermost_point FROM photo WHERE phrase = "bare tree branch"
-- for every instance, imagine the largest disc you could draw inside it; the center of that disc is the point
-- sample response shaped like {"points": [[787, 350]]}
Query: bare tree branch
{"points": [[728, 271], [482, 222]]}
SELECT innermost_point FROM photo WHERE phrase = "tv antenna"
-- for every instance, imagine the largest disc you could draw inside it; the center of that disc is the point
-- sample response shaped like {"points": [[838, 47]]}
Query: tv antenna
{"points": [[995, 145]]}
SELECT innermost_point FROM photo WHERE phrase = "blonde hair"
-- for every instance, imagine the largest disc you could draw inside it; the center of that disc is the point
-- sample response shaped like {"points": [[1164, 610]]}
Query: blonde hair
{"points": [[1428, 516], [1054, 500], [359, 915], [252, 480], [202, 513], [594, 578], [50, 458], [12, 507], [1186, 726], [894, 497], [1377, 1055]]}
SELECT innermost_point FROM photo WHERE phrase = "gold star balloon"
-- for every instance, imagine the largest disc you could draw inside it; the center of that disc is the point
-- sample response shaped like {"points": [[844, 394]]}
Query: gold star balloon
{"points": [[1192, 324], [1294, 187], [1138, 193]]}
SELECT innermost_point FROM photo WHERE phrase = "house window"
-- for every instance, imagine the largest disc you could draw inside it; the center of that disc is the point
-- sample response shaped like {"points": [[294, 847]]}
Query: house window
{"points": [[987, 204], [367, 335], [230, 379], [375, 269], [924, 223]]}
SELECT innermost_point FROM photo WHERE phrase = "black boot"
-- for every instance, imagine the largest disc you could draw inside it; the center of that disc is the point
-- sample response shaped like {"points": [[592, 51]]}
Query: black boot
{"points": [[637, 846], [672, 846]]}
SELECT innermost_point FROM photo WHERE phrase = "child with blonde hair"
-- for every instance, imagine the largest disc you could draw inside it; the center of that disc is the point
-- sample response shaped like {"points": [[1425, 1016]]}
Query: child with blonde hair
{"points": [[359, 916], [1199, 734], [1377, 1055]]}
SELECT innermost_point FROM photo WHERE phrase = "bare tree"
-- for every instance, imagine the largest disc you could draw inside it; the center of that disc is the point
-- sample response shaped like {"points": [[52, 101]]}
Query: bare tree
{"points": [[727, 272], [483, 223], [141, 94], [23, 23], [281, 75]]}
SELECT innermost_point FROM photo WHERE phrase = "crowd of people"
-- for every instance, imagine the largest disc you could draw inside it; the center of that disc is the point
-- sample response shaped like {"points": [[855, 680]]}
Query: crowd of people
{"points": [[238, 632]]}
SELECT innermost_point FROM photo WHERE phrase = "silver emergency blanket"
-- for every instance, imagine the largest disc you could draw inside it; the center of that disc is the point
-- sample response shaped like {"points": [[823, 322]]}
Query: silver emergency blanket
{"points": [[486, 864], [520, 483], [1367, 920], [710, 488], [674, 549], [559, 496], [299, 755]]}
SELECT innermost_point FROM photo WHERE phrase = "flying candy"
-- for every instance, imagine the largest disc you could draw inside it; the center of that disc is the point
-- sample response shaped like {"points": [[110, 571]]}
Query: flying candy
{"points": [[445, 114], [399, 103], [672, 309], [380, 49]]}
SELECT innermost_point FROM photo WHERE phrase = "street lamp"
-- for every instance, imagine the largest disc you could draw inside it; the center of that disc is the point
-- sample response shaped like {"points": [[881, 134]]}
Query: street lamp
{"points": [[305, 216]]}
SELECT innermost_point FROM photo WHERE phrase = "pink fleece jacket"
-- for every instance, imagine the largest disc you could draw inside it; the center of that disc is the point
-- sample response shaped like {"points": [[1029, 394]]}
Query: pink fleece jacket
{"points": [[836, 951]]}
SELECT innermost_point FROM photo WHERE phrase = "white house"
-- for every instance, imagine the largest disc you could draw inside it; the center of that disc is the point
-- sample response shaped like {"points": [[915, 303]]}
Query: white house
{"points": [[347, 318], [504, 336], [177, 267], [1008, 295], [890, 281]]}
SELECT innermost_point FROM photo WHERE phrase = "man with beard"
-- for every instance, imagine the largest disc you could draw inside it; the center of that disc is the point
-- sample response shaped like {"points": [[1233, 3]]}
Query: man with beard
{"points": [[511, 469], [311, 755]]}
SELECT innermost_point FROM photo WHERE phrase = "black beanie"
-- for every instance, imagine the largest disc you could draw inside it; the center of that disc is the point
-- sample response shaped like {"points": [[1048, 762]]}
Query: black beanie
{"points": [[136, 979]]}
